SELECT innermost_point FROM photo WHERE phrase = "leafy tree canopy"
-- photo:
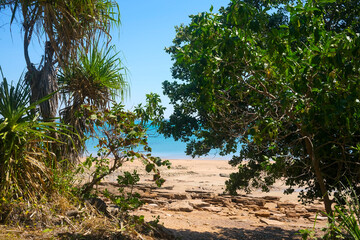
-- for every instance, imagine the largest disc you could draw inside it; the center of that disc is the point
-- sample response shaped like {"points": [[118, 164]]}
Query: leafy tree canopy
{"points": [[279, 80]]}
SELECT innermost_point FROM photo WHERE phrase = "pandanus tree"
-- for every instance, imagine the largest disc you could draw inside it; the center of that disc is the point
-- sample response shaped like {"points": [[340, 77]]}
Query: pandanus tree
{"points": [[25, 159], [73, 67], [92, 79], [63, 26]]}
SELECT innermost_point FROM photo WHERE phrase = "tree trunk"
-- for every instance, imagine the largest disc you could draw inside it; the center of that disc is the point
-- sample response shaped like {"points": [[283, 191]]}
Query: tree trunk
{"points": [[318, 175], [42, 81]]}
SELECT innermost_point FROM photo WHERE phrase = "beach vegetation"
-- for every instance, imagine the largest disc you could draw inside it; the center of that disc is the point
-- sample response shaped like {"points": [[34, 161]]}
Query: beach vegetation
{"points": [[94, 79], [35, 187], [62, 27], [26, 159], [122, 138], [41, 177], [345, 221], [276, 84], [69, 32]]}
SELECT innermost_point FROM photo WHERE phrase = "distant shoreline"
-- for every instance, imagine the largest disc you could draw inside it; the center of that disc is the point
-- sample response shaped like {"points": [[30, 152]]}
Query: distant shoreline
{"points": [[166, 148], [171, 156]]}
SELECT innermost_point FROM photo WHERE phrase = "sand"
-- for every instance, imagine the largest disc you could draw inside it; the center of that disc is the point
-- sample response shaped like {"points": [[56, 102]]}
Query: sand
{"points": [[229, 221], [209, 175]]}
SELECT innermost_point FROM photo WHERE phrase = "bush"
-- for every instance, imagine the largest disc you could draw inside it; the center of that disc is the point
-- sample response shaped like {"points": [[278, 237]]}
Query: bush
{"points": [[26, 160], [122, 137]]}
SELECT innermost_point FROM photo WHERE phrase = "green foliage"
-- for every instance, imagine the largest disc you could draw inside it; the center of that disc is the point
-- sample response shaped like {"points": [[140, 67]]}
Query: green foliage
{"points": [[63, 27], [339, 15], [345, 220], [67, 25], [25, 158], [280, 87], [122, 137], [308, 234], [152, 112], [33, 161], [94, 78], [128, 199]]}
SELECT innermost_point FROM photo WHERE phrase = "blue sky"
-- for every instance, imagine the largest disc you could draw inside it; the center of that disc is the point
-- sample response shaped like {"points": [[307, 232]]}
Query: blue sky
{"points": [[147, 28]]}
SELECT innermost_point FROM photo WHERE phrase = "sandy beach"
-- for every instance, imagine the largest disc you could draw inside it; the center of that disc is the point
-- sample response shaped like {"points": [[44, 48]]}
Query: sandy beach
{"points": [[192, 205], [191, 174]]}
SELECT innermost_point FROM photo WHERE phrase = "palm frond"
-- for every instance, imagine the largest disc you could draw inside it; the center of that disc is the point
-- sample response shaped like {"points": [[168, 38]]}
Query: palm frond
{"points": [[26, 159], [95, 78], [68, 24]]}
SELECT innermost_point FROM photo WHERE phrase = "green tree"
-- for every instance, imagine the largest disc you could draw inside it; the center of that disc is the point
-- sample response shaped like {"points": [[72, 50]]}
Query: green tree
{"points": [[63, 26], [277, 84]]}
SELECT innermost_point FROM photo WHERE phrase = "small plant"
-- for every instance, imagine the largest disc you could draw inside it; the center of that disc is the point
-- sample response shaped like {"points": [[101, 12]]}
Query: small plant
{"points": [[128, 199], [308, 234], [345, 220]]}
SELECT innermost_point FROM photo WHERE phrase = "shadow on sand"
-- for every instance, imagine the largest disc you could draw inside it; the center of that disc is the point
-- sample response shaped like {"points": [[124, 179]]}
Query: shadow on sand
{"points": [[223, 233]]}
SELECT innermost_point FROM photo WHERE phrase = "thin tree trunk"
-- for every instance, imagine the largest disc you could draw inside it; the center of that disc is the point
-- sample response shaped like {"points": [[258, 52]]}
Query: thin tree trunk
{"points": [[87, 187], [318, 175]]}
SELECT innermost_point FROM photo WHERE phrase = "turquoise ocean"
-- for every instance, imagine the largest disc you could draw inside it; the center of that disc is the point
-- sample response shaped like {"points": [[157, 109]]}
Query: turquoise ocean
{"points": [[166, 148]]}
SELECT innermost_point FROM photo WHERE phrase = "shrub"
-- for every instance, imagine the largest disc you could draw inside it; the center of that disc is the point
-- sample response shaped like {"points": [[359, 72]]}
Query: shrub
{"points": [[25, 156], [122, 137]]}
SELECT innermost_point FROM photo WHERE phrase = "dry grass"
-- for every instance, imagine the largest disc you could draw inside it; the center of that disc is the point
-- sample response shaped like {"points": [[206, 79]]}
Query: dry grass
{"points": [[53, 219]]}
